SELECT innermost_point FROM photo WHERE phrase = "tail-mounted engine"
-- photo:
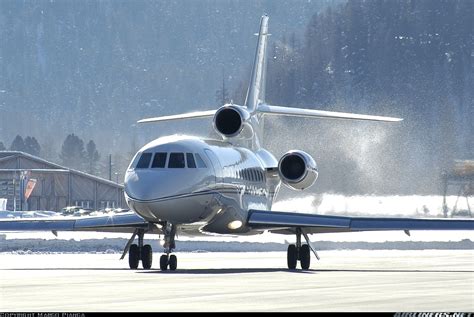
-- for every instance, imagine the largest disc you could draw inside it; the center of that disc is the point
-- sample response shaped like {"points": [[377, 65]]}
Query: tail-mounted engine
{"points": [[297, 170], [230, 120]]}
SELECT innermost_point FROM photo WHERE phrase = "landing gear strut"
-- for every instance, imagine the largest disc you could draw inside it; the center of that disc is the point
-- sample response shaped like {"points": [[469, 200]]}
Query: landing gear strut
{"points": [[168, 259], [298, 252], [138, 252]]}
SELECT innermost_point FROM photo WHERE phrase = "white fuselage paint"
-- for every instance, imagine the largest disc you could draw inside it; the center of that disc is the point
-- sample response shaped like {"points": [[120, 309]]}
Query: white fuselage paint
{"points": [[213, 199]]}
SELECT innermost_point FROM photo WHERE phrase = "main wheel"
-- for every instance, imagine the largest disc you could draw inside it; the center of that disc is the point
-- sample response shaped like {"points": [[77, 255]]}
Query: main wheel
{"points": [[133, 256], [291, 257], [147, 256], [305, 257], [164, 262], [173, 262]]}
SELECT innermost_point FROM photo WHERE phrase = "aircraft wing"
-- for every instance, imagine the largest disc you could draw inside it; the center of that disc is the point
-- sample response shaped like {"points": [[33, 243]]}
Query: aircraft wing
{"points": [[286, 222], [126, 222]]}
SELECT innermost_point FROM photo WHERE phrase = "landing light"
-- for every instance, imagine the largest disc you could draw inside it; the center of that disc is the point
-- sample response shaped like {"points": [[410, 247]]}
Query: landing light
{"points": [[236, 224]]}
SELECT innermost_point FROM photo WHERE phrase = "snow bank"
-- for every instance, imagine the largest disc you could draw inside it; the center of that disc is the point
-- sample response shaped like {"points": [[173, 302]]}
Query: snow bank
{"points": [[116, 245]]}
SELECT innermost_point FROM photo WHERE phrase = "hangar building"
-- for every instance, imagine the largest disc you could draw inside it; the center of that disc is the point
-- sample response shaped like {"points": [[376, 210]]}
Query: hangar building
{"points": [[55, 186]]}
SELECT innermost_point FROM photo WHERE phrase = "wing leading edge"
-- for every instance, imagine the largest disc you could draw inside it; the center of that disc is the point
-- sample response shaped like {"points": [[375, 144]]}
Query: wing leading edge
{"points": [[127, 223], [285, 222]]}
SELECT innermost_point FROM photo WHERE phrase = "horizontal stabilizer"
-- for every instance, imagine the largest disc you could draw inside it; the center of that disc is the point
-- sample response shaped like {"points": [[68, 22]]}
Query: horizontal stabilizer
{"points": [[190, 115], [300, 112]]}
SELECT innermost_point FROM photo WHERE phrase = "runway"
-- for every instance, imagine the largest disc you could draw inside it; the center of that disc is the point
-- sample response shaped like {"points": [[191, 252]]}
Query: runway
{"points": [[430, 280]]}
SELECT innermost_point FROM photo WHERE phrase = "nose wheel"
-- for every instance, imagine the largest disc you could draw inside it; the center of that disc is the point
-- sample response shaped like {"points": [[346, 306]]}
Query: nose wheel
{"points": [[169, 260]]}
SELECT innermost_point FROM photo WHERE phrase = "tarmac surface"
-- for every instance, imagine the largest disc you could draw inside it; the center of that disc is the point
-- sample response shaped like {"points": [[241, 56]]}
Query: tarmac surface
{"points": [[429, 280]]}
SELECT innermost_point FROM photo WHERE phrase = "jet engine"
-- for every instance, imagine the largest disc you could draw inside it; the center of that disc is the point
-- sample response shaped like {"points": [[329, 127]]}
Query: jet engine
{"points": [[230, 120], [297, 170]]}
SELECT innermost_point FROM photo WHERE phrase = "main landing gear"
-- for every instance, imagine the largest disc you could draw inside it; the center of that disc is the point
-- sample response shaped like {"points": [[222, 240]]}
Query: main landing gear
{"points": [[138, 252], [299, 252], [168, 259]]}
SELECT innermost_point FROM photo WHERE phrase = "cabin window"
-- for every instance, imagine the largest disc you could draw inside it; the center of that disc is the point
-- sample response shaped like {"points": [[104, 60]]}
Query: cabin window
{"points": [[190, 160], [200, 163], [176, 160], [159, 160], [144, 160]]}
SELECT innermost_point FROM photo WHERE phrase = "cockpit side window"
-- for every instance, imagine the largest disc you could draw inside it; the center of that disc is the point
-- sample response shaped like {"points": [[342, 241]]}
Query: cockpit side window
{"points": [[176, 160], [144, 160], [190, 160], [134, 160], [199, 161], [159, 160]]}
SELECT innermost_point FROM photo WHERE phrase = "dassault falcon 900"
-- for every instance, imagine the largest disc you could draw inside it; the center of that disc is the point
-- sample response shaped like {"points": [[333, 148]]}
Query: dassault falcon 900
{"points": [[181, 184]]}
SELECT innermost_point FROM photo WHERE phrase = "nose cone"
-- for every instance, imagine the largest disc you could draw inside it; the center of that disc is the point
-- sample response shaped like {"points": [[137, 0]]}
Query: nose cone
{"points": [[172, 195], [155, 184], [144, 185]]}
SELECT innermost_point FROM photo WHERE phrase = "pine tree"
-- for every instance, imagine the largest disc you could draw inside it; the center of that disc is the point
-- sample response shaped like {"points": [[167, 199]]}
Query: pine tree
{"points": [[18, 144], [92, 157], [32, 146], [2, 146], [72, 152]]}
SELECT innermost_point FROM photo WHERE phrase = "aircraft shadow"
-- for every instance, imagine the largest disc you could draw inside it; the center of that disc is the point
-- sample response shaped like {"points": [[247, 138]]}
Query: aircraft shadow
{"points": [[238, 270], [311, 271], [67, 269], [226, 271], [393, 271]]}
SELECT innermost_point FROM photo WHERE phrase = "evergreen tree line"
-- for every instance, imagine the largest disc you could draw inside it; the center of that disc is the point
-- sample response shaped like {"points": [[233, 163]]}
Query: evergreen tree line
{"points": [[74, 152]]}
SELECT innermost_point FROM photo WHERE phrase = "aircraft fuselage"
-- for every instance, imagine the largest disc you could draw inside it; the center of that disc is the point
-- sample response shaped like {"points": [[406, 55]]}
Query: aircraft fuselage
{"points": [[204, 186]]}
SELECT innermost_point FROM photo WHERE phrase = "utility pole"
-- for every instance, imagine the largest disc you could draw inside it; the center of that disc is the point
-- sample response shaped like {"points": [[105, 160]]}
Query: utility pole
{"points": [[110, 167], [14, 192]]}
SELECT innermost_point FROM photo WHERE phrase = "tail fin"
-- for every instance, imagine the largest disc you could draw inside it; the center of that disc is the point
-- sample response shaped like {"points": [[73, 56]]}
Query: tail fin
{"points": [[256, 90]]}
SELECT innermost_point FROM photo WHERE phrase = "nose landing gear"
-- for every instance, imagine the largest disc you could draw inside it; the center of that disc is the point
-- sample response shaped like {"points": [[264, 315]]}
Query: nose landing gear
{"points": [[167, 260]]}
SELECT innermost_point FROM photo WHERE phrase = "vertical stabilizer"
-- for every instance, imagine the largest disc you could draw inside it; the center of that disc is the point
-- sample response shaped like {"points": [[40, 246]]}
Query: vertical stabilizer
{"points": [[256, 90]]}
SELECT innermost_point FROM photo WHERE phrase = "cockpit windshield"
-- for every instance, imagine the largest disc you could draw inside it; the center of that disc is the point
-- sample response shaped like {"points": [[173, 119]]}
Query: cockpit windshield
{"points": [[168, 160], [176, 160]]}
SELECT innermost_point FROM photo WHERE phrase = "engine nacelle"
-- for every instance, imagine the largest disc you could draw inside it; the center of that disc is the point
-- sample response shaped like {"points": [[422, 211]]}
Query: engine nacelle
{"points": [[297, 170], [230, 120]]}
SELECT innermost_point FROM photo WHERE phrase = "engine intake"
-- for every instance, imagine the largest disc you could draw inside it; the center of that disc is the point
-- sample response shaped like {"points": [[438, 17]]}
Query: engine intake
{"points": [[297, 170], [229, 120]]}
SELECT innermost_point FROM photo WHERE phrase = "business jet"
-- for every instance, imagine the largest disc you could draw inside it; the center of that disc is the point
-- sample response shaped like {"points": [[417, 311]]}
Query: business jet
{"points": [[183, 184]]}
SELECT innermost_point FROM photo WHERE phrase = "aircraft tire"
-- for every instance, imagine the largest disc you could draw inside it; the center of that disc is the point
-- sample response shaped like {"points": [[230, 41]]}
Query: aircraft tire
{"points": [[147, 256], [164, 262], [173, 262], [133, 256], [305, 257], [291, 257]]}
